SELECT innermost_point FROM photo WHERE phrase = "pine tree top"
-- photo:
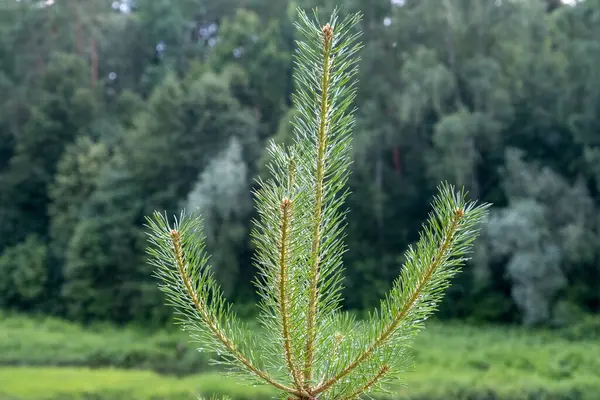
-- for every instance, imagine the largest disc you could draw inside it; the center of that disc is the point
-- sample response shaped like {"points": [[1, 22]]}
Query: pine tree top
{"points": [[309, 348]]}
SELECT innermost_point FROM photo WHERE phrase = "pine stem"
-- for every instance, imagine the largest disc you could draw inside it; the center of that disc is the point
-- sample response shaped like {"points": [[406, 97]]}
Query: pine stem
{"points": [[286, 206], [436, 262], [211, 323], [317, 215]]}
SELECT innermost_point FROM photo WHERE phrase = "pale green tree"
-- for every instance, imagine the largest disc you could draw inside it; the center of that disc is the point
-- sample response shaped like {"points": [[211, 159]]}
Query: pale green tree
{"points": [[544, 228], [222, 195]]}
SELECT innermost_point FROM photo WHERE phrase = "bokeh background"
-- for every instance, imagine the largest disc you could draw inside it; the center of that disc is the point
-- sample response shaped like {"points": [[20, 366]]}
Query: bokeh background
{"points": [[112, 109]]}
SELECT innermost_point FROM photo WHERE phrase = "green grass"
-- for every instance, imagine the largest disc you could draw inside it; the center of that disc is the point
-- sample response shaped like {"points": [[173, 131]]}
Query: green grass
{"points": [[508, 363], [431, 383], [65, 383], [451, 362], [61, 343]]}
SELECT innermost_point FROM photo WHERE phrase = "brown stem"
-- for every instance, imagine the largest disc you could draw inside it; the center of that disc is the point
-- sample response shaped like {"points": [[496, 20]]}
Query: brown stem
{"points": [[286, 206], [317, 214]]}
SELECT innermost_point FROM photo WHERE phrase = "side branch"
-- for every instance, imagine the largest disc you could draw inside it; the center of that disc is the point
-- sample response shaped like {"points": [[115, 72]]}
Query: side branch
{"points": [[366, 387], [286, 206], [317, 215], [210, 322], [381, 339]]}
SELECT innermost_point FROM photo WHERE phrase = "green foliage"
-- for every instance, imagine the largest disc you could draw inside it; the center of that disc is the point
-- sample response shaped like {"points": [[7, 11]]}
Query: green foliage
{"points": [[258, 49], [102, 257], [446, 89], [200, 119], [169, 143], [298, 236], [74, 182], [546, 224], [587, 327], [24, 272], [65, 110]]}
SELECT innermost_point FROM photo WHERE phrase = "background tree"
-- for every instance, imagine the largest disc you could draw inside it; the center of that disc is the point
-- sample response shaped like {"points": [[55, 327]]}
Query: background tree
{"points": [[447, 90], [25, 275], [222, 196], [67, 107]]}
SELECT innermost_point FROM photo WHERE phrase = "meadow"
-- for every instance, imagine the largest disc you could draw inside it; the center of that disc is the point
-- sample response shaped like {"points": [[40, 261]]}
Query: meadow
{"points": [[46, 358]]}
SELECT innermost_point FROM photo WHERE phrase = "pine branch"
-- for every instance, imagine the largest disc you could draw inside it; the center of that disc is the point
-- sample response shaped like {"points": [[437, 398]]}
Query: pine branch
{"points": [[209, 320], [326, 66], [280, 270], [451, 230], [190, 275]]}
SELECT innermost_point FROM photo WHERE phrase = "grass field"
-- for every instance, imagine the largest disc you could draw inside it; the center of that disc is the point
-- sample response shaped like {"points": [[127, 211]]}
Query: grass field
{"points": [[49, 359], [65, 383], [53, 342]]}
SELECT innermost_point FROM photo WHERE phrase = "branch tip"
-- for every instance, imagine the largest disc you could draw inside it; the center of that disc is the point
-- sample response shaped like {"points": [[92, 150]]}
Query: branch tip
{"points": [[338, 338], [327, 33]]}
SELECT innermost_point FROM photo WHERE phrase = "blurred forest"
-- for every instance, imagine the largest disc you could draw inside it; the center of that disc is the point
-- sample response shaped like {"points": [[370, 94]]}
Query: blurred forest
{"points": [[112, 109]]}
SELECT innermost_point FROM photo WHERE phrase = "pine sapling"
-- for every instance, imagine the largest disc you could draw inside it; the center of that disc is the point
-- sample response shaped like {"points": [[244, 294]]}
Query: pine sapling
{"points": [[308, 348]]}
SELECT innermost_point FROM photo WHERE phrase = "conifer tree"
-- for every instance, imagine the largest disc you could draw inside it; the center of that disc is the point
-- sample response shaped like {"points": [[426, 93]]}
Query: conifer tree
{"points": [[309, 348]]}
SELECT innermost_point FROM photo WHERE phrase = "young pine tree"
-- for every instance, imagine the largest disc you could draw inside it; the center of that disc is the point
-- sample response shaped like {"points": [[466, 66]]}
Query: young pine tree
{"points": [[308, 348]]}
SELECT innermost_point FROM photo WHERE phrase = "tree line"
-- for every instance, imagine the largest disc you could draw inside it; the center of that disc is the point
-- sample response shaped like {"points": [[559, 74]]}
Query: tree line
{"points": [[113, 110]]}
